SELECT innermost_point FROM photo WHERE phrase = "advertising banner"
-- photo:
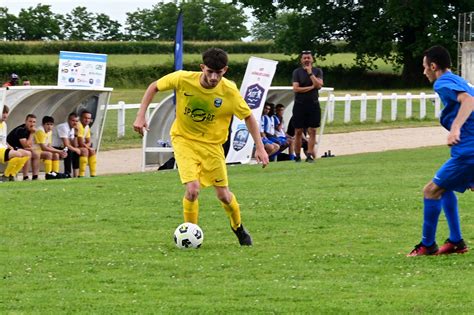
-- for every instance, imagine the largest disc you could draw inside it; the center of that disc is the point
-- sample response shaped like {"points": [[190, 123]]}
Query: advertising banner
{"points": [[257, 80], [81, 69]]}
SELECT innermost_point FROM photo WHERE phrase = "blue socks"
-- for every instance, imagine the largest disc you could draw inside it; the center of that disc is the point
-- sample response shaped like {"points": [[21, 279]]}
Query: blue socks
{"points": [[431, 211], [450, 207]]}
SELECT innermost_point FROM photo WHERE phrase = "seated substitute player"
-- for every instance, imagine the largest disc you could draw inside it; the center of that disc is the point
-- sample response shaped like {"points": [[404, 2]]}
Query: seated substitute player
{"points": [[15, 159], [457, 174], [205, 104], [88, 155], [64, 137], [267, 132], [21, 137], [43, 146]]}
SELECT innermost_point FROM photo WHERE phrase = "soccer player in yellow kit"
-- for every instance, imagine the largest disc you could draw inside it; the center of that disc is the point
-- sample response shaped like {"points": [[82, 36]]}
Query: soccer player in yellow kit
{"points": [[205, 104], [44, 148], [88, 155], [15, 159]]}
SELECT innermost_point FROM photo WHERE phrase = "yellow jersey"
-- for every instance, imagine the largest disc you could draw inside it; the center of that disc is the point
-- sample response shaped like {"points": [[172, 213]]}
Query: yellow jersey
{"points": [[42, 137], [203, 114], [83, 132]]}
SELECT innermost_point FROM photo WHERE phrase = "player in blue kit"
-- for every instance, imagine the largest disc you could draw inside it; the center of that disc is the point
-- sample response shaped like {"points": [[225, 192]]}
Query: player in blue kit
{"points": [[457, 174]]}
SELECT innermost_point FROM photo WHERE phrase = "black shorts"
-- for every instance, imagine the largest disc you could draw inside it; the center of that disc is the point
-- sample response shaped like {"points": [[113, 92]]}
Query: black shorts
{"points": [[306, 115]]}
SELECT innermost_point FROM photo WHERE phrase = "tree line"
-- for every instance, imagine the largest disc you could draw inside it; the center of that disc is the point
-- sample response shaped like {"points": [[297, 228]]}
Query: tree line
{"points": [[394, 30], [204, 20]]}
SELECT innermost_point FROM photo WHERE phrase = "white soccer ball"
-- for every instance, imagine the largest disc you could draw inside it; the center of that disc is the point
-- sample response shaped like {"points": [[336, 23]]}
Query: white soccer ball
{"points": [[188, 235]]}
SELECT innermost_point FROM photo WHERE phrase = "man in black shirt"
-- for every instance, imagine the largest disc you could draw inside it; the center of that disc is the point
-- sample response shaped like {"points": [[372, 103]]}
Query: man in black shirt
{"points": [[306, 110], [21, 137]]}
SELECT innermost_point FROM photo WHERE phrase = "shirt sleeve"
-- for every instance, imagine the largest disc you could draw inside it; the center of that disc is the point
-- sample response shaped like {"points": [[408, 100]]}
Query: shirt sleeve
{"points": [[62, 131], [80, 131], [242, 109], [319, 73], [40, 137], [169, 81]]}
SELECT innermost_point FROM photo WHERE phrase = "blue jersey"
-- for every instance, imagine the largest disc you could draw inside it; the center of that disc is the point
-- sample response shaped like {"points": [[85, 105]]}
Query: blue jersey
{"points": [[448, 86]]}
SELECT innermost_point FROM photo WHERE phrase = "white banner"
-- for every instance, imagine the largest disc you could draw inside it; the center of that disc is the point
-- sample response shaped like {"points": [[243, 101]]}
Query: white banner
{"points": [[257, 80], [81, 69]]}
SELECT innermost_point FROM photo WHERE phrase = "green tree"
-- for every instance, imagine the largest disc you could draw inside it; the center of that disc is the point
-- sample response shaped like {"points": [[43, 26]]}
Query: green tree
{"points": [[397, 31], [8, 27], [157, 23], [193, 17], [270, 28], [79, 24], [106, 28], [39, 23], [224, 21]]}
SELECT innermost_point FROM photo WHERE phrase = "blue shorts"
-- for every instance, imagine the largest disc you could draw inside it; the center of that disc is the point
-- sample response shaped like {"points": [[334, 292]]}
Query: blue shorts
{"points": [[456, 174], [267, 141]]}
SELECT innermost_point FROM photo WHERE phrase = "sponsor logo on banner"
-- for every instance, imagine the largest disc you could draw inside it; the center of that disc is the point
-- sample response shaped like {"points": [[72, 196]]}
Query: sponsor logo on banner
{"points": [[218, 102], [253, 95], [240, 138]]}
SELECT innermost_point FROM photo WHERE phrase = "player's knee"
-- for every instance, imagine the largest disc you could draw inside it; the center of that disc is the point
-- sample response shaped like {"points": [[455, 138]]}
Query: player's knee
{"points": [[192, 191], [224, 195], [432, 191], [84, 152], [47, 155]]}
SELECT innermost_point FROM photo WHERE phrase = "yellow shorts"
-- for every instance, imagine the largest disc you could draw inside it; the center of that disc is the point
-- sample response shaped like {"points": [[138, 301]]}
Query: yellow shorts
{"points": [[200, 161]]}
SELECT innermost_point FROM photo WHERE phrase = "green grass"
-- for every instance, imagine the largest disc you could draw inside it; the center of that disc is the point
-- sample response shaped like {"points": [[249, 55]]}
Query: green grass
{"points": [[329, 238], [345, 59]]}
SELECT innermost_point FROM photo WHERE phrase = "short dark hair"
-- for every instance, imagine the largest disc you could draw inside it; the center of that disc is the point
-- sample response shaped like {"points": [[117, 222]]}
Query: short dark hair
{"points": [[85, 111], [30, 116], [306, 52], [73, 114], [215, 58], [438, 55], [6, 109], [48, 119]]}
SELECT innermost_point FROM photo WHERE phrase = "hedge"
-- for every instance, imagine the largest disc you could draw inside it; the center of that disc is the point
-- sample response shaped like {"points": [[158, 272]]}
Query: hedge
{"points": [[148, 47], [140, 76]]}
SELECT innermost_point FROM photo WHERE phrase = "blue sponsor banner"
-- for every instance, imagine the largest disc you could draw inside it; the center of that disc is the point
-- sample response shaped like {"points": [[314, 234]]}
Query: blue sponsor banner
{"points": [[82, 56]]}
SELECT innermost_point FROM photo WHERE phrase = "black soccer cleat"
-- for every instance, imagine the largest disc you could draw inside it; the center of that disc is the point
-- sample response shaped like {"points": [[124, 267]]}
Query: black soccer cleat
{"points": [[243, 235]]}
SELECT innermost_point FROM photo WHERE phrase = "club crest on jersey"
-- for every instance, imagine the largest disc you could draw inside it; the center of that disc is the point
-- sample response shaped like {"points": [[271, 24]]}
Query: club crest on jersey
{"points": [[217, 102]]}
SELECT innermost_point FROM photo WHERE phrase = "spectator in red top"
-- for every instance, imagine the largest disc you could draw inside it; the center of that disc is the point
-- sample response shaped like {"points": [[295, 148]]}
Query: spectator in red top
{"points": [[14, 78]]}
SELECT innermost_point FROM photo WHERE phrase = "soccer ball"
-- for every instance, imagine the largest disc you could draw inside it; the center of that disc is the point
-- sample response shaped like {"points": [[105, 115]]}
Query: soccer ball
{"points": [[188, 235]]}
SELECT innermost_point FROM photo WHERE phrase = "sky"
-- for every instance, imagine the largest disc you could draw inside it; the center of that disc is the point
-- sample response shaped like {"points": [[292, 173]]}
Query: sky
{"points": [[115, 9]]}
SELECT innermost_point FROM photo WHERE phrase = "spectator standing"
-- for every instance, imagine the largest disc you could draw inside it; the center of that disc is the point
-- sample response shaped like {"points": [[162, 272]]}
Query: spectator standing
{"points": [[307, 80], [21, 137], [13, 81], [64, 139]]}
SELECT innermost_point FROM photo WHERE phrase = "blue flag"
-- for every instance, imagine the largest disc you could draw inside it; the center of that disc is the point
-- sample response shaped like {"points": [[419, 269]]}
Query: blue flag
{"points": [[178, 47], [178, 43]]}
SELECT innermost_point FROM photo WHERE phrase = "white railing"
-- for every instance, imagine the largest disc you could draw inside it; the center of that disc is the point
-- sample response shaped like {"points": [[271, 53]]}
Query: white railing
{"points": [[331, 102]]}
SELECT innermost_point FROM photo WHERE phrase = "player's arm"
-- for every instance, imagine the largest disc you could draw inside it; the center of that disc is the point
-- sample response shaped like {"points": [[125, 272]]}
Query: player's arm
{"points": [[140, 121], [68, 144], [26, 143], [466, 109], [254, 129], [298, 89]]}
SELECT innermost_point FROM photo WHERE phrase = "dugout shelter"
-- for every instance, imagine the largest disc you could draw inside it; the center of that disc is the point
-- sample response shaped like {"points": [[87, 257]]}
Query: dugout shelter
{"points": [[57, 102], [155, 149]]}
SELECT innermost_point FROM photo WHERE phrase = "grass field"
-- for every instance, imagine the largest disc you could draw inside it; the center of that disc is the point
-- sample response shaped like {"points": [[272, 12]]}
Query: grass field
{"points": [[330, 237], [344, 59]]}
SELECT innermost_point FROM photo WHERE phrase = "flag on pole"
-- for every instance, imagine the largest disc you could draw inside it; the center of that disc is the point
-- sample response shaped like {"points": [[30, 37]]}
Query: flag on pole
{"points": [[178, 47], [178, 43]]}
